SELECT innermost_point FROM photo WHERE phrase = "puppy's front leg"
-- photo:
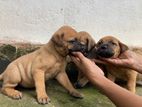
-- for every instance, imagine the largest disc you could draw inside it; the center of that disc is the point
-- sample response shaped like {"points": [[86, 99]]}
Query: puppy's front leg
{"points": [[63, 79], [39, 78], [81, 80], [111, 77], [131, 83]]}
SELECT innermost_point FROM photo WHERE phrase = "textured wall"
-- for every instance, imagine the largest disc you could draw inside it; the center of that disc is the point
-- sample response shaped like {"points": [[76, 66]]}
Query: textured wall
{"points": [[37, 20]]}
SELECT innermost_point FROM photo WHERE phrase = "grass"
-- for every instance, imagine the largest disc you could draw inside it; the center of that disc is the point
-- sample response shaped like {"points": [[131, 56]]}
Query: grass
{"points": [[60, 98]]}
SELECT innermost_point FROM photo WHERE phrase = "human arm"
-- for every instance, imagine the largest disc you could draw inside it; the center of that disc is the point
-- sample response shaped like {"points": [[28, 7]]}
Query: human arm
{"points": [[118, 95]]}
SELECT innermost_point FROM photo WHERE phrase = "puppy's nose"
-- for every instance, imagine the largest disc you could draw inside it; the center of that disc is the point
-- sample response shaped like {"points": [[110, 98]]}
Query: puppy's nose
{"points": [[104, 46]]}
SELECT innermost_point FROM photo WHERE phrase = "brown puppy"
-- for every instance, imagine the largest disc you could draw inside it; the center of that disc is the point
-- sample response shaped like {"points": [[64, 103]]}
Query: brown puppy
{"points": [[110, 47], [32, 70], [86, 39]]}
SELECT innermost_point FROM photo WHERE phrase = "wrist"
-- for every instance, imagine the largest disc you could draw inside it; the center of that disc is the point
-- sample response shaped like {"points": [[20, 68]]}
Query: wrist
{"points": [[137, 64], [98, 80], [138, 68]]}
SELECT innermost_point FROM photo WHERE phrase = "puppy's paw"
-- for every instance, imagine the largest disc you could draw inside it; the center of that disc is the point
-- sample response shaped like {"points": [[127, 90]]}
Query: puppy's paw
{"points": [[16, 95], [43, 100], [11, 92], [76, 94], [78, 85]]}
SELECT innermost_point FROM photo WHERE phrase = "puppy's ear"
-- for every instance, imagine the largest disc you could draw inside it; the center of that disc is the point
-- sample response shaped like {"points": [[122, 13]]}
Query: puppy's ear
{"points": [[90, 43], [58, 39], [123, 47]]}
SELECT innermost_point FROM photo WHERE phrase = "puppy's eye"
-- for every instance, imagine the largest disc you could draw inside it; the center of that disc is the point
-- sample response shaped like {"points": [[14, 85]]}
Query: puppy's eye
{"points": [[72, 41], [113, 43]]}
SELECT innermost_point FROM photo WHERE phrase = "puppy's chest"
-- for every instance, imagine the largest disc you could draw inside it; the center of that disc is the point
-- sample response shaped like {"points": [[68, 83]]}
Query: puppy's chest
{"points": [[56, 68]]}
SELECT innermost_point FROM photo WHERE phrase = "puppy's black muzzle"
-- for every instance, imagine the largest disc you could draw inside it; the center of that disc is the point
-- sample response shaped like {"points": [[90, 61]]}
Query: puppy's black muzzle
{"points": [[78, 47], [104, 51]]}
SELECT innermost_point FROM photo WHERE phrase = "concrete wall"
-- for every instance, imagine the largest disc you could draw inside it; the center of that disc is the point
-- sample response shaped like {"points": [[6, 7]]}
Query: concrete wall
{"points": [[37, 20]]}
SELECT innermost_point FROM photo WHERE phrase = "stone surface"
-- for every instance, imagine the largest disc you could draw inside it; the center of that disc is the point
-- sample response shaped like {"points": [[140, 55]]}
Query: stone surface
{"points": [[9, 52]]}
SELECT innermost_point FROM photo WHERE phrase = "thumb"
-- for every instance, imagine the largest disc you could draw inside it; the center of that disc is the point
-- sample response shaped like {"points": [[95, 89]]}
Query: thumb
{"points": [[78, 55], [116, 61]]}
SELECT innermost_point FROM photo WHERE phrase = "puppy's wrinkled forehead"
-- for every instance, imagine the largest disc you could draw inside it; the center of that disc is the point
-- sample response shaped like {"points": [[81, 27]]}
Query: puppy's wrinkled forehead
{"points": [[66, 33], [83, 37], [109, 39]]}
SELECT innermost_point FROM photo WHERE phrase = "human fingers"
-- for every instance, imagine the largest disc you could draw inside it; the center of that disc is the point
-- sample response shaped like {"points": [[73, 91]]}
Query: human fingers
{"points": [[75, 59], [78, 54], [115, 61], [99, 61]]}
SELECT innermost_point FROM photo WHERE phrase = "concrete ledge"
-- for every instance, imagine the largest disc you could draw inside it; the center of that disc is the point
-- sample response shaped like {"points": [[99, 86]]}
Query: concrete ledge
{"points": [[11, 51]]}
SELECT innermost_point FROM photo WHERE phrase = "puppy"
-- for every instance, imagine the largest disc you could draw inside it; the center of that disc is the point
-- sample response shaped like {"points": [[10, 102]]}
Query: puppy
{"points": [[74, 73], [32, 70], [110, 47]]}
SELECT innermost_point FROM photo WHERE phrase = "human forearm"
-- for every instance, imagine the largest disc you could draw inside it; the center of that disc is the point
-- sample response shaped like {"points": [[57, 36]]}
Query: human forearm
{"points": [[118, 95]]}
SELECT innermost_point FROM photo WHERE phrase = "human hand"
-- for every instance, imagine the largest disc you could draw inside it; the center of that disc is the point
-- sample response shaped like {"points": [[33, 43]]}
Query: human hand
{"points": [[127, 59], [88, 67]]}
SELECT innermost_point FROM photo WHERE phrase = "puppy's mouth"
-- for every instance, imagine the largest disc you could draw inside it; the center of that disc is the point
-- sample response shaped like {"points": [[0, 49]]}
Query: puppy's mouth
{"points": [[91, 54], [78, 48], [104, 54], [104, 51]]}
